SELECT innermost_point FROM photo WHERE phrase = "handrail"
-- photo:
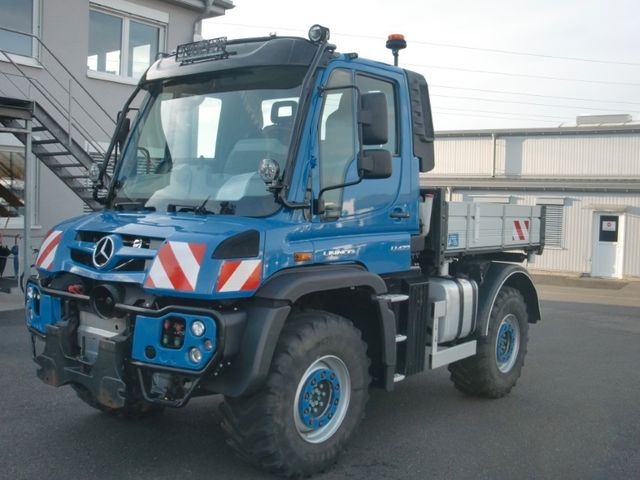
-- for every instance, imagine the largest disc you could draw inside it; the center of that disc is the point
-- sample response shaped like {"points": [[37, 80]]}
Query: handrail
{"points": [[42, 44], [75, 113], [46, 94], [59, 107]]}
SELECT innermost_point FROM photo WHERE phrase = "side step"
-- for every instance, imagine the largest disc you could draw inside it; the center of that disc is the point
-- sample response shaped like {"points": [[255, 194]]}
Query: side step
{"points": [[445, 356], [439, 357], [393, 297]]}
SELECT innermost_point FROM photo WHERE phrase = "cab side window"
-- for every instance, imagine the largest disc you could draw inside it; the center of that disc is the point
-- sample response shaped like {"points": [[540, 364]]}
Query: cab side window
{"points": [[338, 139], [368, 84]]}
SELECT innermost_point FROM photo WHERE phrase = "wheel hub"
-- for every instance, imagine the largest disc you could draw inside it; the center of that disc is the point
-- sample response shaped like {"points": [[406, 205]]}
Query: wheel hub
{"points": [[322, 399], [507, 343], [319, 398]]}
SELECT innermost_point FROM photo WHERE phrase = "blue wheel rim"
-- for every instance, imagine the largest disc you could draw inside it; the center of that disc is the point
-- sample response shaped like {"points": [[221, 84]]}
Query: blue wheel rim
{"points": [[322, 399], [319, 398], [507, 343]]}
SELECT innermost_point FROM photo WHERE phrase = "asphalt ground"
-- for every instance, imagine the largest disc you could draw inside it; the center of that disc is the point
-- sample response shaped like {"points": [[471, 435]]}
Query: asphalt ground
{"points": [[573, 415]]}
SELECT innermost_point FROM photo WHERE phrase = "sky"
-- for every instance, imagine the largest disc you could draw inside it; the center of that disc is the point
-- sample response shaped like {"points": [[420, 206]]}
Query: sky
{"points": [[569, 57]]}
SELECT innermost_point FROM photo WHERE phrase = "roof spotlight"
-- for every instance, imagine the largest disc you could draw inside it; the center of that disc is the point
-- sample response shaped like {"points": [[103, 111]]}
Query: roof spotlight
{"points": [[318, 33]]}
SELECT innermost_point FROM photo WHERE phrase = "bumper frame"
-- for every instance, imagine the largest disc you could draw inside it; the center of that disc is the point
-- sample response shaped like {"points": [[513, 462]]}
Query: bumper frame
{"points": [[115, 379]]}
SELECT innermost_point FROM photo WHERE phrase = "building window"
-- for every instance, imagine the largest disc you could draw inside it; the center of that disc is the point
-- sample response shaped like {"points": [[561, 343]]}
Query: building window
{"points": [[554, 226], [11, 183], [121, 45], [21, 16]]}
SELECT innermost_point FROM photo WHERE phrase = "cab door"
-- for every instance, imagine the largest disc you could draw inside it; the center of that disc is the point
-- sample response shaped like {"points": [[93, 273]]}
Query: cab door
{"points": [[365, 220]]}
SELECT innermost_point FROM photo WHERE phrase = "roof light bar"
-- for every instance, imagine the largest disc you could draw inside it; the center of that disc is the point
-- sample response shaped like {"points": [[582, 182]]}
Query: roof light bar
{"points": [[211, 49]]}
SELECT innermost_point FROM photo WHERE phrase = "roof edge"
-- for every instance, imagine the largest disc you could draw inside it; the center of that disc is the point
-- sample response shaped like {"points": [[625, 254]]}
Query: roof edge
{"points": [[207, 8], [511, 132]]}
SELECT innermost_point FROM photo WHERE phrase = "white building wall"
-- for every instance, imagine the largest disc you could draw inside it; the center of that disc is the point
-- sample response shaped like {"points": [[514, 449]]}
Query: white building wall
{"points": [[574, 156], [576, 253], [604, 154], [463, 156]]}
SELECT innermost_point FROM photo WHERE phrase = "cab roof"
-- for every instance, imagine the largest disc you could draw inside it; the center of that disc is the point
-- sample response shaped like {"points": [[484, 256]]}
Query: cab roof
{"points": [[242, 53]]}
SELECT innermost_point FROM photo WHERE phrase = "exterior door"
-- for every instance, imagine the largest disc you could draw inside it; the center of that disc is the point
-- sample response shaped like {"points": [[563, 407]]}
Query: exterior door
{"points": [[608, 245]]}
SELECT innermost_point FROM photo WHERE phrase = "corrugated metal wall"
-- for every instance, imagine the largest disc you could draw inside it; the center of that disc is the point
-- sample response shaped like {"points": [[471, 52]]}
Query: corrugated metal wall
{"points": [[611, 155], [463, 156], [574, 156], [575, 255]]}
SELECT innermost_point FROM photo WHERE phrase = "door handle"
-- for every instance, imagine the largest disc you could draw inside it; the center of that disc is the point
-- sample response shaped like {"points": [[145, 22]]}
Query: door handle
{"points": [[399, 214]]}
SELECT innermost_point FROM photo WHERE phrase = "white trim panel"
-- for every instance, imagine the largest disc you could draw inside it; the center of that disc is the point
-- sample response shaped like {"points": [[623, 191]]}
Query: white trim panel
{"points": [[129, 8]]}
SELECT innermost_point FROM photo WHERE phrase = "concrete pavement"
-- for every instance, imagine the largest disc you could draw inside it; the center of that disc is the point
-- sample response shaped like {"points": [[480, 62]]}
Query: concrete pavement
{"points": [[11, 301], [564, 288], [573, 415]]}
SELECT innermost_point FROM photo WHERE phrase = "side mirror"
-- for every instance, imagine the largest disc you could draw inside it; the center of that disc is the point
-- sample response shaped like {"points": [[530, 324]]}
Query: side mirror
{"points": [[373, 118], [123, 132], [374, 164]]}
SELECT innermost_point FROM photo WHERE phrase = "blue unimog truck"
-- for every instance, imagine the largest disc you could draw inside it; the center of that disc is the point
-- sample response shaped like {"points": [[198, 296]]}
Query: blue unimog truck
{"points": [[265, 237]]}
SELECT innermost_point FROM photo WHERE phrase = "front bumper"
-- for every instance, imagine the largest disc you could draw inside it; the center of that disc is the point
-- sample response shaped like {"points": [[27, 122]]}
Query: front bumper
{"points": [[134, 364], [106, 379]]}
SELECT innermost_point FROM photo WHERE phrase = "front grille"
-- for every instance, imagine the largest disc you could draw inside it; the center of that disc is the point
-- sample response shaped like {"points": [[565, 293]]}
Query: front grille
{"points": [[132, 264], [79, 256], [127, 240]]}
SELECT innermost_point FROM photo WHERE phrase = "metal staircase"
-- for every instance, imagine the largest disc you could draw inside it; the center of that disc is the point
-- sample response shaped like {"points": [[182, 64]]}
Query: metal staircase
{"points": [[56, 115]]}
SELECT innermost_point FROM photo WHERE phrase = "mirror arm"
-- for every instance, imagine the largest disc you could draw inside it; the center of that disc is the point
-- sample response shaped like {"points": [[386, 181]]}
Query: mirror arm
{"points": [[316, 202], [333, 187], [112, 145]]}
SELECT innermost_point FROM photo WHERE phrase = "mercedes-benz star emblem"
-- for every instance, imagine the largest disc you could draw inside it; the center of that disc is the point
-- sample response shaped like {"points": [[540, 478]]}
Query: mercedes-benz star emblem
{"points": [[103, 252]]}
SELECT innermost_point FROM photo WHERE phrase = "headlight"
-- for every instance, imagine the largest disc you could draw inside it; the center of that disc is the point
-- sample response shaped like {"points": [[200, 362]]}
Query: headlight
{"points": [[198, 328], [195, 355]]}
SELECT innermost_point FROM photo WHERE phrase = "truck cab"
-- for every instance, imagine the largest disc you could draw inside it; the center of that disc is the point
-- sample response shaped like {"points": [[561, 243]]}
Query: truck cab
{"points": [[265, 237]]}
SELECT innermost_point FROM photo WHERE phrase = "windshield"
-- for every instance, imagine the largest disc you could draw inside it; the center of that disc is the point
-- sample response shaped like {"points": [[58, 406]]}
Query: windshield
{"points": [[199, 141]]}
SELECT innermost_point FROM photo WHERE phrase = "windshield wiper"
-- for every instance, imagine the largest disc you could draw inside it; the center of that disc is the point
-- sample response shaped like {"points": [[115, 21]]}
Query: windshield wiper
{"points": [[132, 205], [201, 210], [197, 209]]}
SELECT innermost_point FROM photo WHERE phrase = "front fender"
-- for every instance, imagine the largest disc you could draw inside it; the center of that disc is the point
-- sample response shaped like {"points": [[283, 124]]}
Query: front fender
{"points": [[293, 283], [268, 312]]}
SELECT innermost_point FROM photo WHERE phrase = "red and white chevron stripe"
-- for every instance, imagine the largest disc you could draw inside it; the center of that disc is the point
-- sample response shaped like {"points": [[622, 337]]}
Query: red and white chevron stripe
{"points": [[520, 230], [48, 249], [176, 266], [239, 275]]}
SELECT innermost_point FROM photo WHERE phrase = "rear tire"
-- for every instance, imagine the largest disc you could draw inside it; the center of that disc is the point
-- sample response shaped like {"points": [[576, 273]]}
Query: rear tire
{"points": [[311, 403], [497, 365]]}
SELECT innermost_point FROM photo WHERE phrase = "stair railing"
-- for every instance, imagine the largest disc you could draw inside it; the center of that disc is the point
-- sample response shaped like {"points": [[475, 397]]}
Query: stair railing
{"points": [[64, 97]]}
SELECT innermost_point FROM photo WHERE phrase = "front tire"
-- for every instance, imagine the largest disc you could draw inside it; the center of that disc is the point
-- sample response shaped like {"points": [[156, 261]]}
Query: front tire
{"points": [[499, 359], [311, 403]]}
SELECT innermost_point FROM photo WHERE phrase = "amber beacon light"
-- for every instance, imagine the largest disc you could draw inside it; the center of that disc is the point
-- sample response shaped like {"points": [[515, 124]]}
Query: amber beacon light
{"points": [[396, 42]]}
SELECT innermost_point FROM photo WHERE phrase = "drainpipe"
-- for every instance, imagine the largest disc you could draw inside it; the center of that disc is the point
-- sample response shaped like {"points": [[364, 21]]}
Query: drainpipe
{"points": [[197, 28], [210, 8], [493, 155], [28, 189]]}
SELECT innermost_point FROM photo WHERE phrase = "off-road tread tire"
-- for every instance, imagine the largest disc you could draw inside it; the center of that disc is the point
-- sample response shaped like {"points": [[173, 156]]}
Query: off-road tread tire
{"points": [[479, 375], [135, 410], [260, 427]]}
